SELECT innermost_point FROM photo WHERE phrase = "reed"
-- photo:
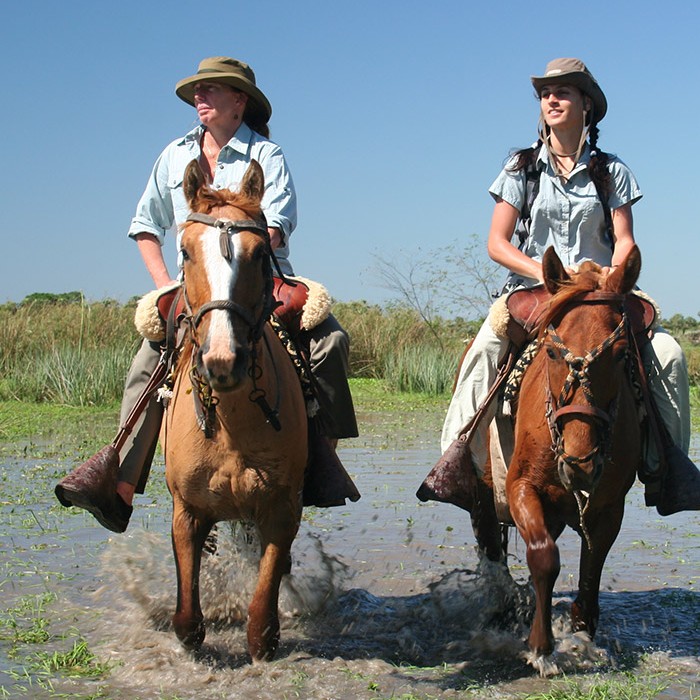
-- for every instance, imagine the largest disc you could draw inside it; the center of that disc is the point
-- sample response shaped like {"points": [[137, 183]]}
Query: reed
{"points": [[69, 351]]}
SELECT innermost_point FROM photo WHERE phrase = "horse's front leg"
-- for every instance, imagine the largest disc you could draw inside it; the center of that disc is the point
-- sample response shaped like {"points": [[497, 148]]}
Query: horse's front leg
{"points": [[188, 536], [602, 533], [263, 616], [542, 559], [487, 530]]}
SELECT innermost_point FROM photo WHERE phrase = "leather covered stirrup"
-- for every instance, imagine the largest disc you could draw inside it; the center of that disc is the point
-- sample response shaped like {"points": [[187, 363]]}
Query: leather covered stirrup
{"points": [[452, 479], [680, 488], [92, 486], [326, 482]]}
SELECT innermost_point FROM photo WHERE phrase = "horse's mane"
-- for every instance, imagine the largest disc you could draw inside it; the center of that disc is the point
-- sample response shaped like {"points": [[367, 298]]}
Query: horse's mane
{"points": [[587, 279], [208, 199]]}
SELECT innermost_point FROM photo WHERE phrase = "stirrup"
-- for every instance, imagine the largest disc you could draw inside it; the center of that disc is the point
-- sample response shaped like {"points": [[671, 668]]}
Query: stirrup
{"points": [[93, 486], [680, 488], [452, 479]]}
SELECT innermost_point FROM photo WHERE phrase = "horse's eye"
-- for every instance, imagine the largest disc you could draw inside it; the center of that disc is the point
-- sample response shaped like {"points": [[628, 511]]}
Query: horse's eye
{"points": [[620, 354], [552, 355], [185, 254]]}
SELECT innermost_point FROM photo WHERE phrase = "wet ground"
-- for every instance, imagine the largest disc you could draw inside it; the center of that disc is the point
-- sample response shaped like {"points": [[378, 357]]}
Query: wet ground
{"points": [[387, 598]]}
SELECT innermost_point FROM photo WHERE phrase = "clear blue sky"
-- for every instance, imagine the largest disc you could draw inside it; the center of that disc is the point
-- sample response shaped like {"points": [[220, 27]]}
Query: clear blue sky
{"points": [[395, 117]]}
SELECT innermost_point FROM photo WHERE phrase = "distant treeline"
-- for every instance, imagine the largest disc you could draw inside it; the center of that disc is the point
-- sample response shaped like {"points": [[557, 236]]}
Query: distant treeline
{"points": [[60, 348]]}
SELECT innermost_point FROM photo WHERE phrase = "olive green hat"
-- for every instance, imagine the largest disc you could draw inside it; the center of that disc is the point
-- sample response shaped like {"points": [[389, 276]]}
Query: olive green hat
{"points": [[229, 71], [572, 71]]}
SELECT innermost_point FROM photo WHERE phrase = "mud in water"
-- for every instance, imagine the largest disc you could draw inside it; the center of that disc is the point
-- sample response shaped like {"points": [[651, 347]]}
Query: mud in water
{"points": [[387, 597]]}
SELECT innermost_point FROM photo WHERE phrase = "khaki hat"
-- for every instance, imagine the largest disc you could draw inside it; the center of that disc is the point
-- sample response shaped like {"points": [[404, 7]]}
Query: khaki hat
{"points": [[572, 71], [229, 71]]}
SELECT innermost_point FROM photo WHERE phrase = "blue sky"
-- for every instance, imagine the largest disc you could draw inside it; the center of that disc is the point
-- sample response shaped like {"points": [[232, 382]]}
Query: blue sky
{"points": [[395, 118]]}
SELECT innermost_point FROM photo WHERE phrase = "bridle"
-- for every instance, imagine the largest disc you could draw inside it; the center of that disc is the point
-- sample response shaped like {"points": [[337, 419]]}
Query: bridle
{"points": [[207, 402], [579, 367], [226, 228]]}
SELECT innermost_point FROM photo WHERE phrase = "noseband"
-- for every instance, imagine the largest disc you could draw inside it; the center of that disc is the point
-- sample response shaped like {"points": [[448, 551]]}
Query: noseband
{"points": [[579, 375]]}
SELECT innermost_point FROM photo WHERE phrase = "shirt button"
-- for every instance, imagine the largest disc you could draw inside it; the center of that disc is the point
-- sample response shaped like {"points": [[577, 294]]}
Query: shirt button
{"points": [[221, 167]]}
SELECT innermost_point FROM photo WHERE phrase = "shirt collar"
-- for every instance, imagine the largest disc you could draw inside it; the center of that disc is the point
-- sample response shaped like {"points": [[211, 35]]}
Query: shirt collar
{"points": [[583, 161], [240, 141]]}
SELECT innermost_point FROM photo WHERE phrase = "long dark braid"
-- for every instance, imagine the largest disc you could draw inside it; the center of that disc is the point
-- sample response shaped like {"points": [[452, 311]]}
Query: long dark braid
{"points": [[598, 165]]}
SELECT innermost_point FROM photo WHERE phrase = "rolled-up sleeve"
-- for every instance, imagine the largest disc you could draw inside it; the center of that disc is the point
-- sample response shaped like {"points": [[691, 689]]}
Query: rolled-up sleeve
{"points": [[279, 201], [625, 189], [509, 186], [154, 212]]}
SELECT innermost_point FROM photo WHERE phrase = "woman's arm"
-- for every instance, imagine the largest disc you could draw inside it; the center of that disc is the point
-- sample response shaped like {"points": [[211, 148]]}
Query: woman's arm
{"points": [[622, 232], [500, 248], [152, 254]]}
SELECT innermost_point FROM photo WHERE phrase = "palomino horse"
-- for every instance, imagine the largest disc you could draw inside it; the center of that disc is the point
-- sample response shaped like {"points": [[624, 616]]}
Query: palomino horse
{"points": [[577, 434], [235, 431]]}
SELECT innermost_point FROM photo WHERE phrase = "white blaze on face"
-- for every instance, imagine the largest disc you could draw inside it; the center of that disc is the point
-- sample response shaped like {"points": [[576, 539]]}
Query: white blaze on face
{"points": [[221, 274]]}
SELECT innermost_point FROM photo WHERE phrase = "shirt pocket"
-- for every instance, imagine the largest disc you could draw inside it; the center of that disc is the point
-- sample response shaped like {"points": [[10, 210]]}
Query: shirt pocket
{"points": [[177, 194]]}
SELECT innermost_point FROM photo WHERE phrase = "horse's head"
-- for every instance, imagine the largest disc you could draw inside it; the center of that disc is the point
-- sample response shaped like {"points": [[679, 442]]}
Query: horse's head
{"points": [[227, 277], [584, 336]]}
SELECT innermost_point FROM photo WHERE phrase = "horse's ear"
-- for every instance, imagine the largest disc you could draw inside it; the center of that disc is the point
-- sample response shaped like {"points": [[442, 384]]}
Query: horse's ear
{"points": [[253, 183], [623, 278], [554, 273], [193, 182]]}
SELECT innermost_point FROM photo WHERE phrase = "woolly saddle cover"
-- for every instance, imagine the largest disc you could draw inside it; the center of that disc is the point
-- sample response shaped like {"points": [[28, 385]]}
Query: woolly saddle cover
{"points": [[304, 305]]}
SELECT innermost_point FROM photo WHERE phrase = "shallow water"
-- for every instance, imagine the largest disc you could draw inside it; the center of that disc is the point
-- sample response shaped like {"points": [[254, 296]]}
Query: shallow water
{"points": [[386, 599]]}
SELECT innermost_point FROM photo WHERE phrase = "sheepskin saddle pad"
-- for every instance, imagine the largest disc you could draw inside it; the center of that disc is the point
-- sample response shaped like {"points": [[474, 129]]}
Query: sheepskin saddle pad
{"points": [[304, 304]]}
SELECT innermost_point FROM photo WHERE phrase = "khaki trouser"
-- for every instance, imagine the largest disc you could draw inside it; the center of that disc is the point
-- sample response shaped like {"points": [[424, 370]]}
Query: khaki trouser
{"points": [[329, 349], [663, 360]]}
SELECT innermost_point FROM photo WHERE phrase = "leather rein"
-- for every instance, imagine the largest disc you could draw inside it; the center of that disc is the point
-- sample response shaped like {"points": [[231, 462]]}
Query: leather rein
{"points": [[207, 402], [579, 367]]}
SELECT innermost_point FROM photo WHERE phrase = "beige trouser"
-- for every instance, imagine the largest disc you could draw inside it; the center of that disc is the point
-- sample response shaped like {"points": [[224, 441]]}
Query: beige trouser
{"points": [[663, 360], [329, 347]]}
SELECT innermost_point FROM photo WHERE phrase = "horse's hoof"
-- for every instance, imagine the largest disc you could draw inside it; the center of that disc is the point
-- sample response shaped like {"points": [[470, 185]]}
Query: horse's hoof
{"points": [[190, 638]]}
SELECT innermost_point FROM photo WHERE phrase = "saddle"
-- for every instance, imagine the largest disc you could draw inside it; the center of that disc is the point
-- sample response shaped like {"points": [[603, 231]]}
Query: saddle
{"points": [[301, 304], [527, 306]]}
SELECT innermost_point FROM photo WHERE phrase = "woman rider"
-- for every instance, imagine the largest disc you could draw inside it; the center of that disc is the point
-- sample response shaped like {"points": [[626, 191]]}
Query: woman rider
{"points": [[233, 114], [567, 213]]}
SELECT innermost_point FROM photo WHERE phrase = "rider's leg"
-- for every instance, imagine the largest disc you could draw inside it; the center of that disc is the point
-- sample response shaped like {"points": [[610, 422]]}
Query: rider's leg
{"points": [[678, 488], [329, 348], [137, 453]]}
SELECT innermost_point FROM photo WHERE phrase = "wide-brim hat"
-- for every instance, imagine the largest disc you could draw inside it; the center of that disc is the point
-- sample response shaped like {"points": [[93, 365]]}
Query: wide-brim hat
{"points": [[229, 71], [572, 71]]}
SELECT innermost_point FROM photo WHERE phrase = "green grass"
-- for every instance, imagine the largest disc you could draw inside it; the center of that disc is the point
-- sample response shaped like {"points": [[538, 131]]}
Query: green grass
{"points": [[626, 687]]}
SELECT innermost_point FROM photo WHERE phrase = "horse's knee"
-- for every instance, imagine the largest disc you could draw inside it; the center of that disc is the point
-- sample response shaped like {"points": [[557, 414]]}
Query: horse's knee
{"points": [[543, 560]]}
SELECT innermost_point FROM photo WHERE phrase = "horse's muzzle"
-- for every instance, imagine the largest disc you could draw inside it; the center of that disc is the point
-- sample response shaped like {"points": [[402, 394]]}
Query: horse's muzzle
{"points": [[223, 371], [580, 475]]}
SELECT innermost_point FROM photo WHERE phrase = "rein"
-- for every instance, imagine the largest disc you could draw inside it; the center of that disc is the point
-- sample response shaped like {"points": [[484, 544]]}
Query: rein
{"points": [[206, 402], [578, 375]]}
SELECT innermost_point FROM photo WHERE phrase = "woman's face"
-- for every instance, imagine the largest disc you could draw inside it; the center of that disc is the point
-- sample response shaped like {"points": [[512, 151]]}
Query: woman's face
{"points": [[217, 104], [563, 106]]}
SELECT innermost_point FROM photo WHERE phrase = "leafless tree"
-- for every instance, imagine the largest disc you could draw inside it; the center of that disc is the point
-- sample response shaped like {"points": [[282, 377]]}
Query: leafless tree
{"points": [[456, 280]]}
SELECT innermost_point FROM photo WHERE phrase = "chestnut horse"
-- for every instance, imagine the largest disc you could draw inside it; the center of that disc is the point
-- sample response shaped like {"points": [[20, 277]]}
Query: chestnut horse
{"points": [[577, 434], [235, 431]]}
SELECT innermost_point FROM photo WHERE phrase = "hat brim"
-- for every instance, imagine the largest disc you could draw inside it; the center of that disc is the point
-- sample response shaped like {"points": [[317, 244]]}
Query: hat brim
{"points": [[185, 90], [583, 82]]}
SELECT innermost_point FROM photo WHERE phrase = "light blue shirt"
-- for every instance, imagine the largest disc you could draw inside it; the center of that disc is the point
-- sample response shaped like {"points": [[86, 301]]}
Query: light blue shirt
{"points": [[163, 203], [567, 214]]}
